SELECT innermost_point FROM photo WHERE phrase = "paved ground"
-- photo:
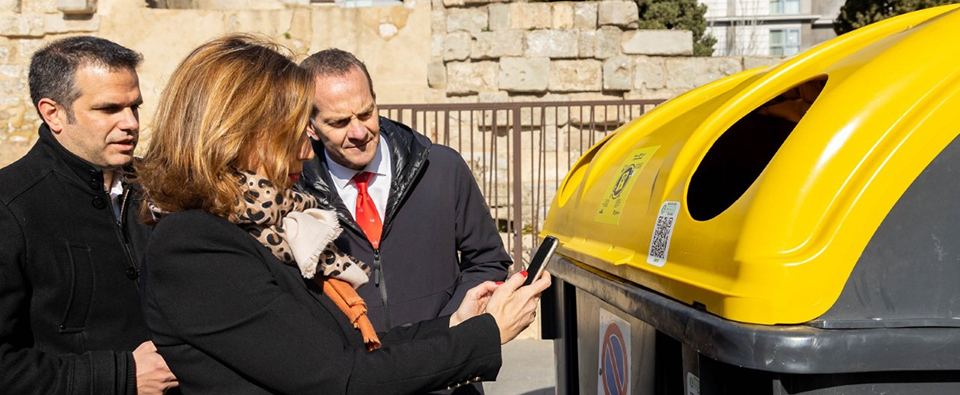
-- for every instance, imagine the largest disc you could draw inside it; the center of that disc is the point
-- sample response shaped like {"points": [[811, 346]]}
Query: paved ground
{"points": [[528, 369]]}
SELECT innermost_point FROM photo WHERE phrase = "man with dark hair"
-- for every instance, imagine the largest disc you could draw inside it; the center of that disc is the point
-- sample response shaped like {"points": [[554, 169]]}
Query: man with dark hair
{"points": [[409, 208], [70, 317]]}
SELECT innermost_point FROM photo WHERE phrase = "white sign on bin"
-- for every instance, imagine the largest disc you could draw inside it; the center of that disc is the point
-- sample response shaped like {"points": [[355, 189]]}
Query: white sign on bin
{"points": [[614, 372], [662, 231]]}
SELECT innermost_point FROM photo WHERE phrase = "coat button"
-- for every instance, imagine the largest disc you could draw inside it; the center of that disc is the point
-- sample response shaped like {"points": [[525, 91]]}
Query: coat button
{"points": [[98, 203], [132, 273], [93, 184]]}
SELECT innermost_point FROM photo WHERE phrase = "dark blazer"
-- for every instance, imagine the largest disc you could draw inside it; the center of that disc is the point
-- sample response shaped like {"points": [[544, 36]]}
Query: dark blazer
{"points": [[438, 239], [69, 305], [229, 318]]}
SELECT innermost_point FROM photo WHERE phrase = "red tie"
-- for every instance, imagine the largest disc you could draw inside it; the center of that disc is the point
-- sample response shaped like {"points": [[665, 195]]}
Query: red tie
{"points": [[367, 216]]}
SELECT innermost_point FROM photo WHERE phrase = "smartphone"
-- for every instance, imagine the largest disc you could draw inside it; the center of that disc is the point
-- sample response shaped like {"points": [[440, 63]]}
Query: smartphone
{"points": [[540, 260]]}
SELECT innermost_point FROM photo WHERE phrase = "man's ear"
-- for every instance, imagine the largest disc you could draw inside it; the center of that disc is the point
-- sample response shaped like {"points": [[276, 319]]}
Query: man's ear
{"points": [[312, 132], [52, 113]]}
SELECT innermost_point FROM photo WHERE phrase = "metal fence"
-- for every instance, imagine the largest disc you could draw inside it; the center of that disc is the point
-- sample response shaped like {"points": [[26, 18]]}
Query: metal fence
{"points": [[519, 152]]}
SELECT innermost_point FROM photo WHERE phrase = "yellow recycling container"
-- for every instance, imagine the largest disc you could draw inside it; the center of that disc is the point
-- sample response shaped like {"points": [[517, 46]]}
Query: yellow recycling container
{"points": [[793, 228]]}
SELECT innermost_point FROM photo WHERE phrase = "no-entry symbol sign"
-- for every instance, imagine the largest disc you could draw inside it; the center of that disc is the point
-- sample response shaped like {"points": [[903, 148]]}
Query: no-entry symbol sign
{"points": [[615, 361]]}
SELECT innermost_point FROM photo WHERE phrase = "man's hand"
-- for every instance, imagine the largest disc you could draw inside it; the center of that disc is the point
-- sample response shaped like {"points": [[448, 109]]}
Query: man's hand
{"points": [[153, 375], [474, 303]]}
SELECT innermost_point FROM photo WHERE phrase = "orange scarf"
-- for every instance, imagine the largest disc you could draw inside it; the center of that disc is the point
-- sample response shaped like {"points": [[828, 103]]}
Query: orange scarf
{"points": [[345, 297]]}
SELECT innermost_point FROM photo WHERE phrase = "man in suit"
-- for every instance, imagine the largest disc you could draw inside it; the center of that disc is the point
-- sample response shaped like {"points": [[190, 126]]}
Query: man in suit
{"points": [[410, 209], [70, 241]]}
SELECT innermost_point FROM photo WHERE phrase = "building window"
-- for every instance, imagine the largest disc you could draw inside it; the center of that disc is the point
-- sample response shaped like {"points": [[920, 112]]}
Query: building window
{"points": [[784, 6], [784, 42]]}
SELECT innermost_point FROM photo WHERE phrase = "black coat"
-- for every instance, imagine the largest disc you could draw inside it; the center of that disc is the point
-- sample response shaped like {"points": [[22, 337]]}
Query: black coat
{"points": [[69, 307], [229, 318], [438, 239]]}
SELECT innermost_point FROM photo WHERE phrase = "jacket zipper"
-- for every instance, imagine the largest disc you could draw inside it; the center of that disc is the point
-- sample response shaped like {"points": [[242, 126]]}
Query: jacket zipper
{"points": [[378, 281], [378, 278], [132, 270]]}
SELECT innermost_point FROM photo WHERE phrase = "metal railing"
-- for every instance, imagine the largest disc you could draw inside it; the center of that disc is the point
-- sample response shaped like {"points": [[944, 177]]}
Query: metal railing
{"points": [[519, 152]]}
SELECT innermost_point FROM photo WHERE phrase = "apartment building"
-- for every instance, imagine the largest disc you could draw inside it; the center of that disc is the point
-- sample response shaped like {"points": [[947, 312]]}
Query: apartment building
{"points": [[769, 27]]}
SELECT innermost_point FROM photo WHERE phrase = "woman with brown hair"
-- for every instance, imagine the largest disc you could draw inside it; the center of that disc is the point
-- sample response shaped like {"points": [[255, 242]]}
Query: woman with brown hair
{"points": [[244, 292]]}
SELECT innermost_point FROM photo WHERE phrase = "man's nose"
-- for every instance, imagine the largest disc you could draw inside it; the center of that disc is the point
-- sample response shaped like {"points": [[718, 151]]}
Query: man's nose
{"points": [[356, 130], [130, 120]]}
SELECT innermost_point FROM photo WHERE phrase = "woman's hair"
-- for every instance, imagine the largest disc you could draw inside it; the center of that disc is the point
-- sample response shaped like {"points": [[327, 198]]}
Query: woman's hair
{"points": [[234, 103]]}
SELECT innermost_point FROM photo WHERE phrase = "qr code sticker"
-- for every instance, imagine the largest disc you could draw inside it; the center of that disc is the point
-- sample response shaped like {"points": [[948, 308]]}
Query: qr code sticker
{"points": [[662, 231]]}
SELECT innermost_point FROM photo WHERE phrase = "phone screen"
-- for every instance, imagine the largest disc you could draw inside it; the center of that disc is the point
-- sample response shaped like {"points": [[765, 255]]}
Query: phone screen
{"points": [[540, 259]]}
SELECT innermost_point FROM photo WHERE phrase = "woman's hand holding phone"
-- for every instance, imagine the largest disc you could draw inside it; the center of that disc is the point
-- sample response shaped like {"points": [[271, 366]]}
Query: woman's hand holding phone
{"points": [[514, 306]]}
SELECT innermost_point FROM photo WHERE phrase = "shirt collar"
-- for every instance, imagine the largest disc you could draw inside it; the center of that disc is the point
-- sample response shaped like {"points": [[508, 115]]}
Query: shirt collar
{"points": [[380, 165], [117, 188]]}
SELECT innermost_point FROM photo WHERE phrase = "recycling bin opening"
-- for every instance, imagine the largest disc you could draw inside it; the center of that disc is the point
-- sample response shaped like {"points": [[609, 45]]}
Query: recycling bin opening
{"points": [[738, 157]]}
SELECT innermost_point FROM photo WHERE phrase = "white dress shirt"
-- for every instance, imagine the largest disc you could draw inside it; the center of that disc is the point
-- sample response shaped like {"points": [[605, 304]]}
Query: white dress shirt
{"points": [[378, 187], [115, 192]]}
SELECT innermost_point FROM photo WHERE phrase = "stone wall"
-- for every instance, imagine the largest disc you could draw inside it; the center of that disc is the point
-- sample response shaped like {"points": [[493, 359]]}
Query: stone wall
{"points": [[434, 51], [491, 50], [390, 39]]}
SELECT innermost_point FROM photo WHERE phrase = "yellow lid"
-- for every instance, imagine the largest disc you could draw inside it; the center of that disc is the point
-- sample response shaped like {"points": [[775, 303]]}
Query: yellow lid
{"points": [[875, 106]]}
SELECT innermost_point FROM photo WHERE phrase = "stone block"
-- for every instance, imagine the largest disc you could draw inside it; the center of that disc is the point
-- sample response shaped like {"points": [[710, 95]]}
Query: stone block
{"points": [[4, 54], [438, 20], [526, 16], [750, 62], [436, 45], [603, 118], [607, 44], [493, 97], [10, 71], [524, 74], [562, 16], [617, 75], [618, 13], [38, 6], [436, 75], [434, 95], [488, 45], [585, 15], [499, 18], [22, 25], [662, 94], [456, 46], [689, 73], [587, 43], [464, 78], [648, 73], [56, 23], [473, 20], [657, 42], [13, 87], [26, 48], [461, 3], [552, 43], [10, 6], [77, 6], [575, 75]]}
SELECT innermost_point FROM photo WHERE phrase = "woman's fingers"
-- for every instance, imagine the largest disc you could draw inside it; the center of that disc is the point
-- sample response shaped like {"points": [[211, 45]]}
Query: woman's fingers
{"points": [[515, 281], [484, 289], [542, 283]]}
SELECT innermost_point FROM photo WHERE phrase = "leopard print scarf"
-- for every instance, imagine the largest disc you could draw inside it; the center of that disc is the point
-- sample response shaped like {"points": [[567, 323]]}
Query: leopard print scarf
{"points": [[295, 230], [289, 224]]}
